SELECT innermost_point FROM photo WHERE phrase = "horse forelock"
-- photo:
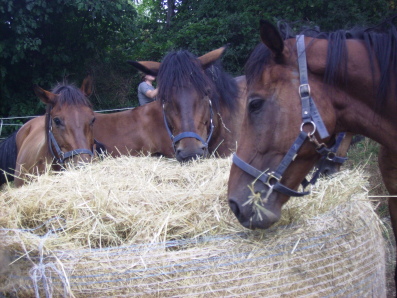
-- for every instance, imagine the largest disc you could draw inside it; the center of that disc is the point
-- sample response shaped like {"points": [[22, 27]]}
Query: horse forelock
{"points": [[256, 63], [70, 95], [181, 68]]}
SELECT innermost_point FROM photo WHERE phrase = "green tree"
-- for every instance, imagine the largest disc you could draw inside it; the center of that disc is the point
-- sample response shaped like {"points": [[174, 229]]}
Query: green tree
{"points": [[43, 41], [203, 25]]}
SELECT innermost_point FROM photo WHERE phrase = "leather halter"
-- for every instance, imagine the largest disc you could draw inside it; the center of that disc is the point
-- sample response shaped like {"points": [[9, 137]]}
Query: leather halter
{"points": [[60, 156], [190, 134], [310, 116]]}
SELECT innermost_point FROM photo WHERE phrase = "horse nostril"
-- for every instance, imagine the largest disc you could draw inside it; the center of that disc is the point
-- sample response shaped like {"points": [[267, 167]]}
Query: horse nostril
{"points": [[234, 206]]}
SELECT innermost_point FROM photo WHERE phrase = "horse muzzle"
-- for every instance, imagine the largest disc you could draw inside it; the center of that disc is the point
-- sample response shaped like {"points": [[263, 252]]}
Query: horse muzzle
{"points": [[187, 151], [78, 161]]}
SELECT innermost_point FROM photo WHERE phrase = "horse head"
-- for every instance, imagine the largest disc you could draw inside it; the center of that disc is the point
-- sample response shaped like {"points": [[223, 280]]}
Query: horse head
{"points": [[188, 95], [279, 141], [69, 122]]}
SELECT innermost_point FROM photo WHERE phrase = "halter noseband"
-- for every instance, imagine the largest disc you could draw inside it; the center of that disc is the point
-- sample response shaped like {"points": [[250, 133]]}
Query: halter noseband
{"points": [[60, 156], [310, 116], [190, 134]]}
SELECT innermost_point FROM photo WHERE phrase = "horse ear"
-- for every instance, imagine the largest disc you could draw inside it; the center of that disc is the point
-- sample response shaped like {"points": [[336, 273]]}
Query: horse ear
{"points": [[45, 96], [271, 37], [148, 67], [87, 85], [209, 58]]}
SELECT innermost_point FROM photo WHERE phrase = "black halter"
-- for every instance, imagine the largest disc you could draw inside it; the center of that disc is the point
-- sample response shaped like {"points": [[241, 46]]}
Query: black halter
{"points": [[310, 116], [60, 156], [189, 134]]}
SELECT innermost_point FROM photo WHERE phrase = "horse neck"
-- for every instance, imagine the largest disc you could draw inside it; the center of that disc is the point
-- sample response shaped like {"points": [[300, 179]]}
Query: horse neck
{"points": [[32, 149], [355, 100], [138, 129]]}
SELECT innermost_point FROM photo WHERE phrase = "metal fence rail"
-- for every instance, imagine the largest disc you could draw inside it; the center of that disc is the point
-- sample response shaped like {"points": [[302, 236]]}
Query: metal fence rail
{"points": [[13, 121]]}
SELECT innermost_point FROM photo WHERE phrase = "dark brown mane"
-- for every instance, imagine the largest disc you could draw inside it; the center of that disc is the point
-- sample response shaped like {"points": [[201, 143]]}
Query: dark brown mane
{"points": [[182, 67], [380, 41]]}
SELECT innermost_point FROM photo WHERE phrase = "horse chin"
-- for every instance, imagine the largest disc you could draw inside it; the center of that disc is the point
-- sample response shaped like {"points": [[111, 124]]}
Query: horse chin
{"points": [[254, 217], [329, 168], [187, 156], [261, 220], [78, 162]]}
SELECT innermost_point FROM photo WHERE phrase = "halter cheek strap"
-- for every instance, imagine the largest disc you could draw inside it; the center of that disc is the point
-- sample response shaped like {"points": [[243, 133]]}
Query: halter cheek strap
{"points": [[310, 116], [190, 134]]}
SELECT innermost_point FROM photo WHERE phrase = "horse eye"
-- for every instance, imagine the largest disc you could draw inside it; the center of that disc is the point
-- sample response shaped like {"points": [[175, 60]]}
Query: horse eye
{"points": [[93, 120], [255, 105], [57, 121]]}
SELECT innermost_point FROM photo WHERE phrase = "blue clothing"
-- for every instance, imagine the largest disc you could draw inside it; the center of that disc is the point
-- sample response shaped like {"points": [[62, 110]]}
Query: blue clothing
{"points": [[142, 89]]}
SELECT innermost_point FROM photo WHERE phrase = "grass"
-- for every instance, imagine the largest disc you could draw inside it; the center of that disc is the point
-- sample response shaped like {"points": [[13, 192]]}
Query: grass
{"points": [[365, 154]]}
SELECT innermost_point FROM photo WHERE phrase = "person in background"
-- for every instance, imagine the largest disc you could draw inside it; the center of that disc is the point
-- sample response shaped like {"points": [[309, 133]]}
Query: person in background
{"points": [[146, 92]]}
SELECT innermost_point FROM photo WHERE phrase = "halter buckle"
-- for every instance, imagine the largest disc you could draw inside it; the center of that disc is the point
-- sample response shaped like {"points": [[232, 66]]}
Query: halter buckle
{"points": [[304, 90], [270, 178]]}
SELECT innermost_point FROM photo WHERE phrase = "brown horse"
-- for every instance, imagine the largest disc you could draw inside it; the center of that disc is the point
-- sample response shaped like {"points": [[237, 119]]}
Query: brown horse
{"points": [[187, 107], [202, 106], [62, 137], [300, 93], [132, 132]]}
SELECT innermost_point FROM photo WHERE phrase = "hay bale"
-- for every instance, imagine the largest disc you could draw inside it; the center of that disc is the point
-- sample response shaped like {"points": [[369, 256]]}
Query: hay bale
{"points": [[139, 226]]}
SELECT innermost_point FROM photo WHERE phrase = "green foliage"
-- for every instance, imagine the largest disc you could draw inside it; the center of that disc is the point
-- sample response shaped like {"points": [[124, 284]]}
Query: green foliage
{"points": [[45, 41], [203, 25]]}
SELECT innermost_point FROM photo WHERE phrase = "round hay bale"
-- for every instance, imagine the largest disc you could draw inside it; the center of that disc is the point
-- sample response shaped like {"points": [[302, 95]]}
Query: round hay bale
{"points": [[139, 226]]}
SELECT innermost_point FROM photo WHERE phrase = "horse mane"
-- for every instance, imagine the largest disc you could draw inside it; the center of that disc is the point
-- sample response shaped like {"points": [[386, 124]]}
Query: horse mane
{"points": [[380, 41], [8, 158], [181, 68], [227, 89]]}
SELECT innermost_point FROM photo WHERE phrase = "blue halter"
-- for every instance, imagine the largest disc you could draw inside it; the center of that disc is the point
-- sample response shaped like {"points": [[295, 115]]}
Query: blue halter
{"points": [[189, 134]]}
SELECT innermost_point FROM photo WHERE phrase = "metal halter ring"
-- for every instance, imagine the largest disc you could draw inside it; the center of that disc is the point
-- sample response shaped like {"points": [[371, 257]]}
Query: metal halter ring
{"points": [[314, 127], [331, 155]]}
